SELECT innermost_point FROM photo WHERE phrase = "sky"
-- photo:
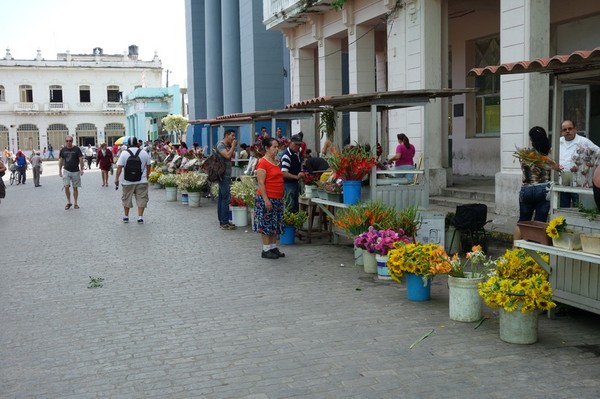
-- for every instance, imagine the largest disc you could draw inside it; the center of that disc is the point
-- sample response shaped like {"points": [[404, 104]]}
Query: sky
{"points": [[55, 26]]}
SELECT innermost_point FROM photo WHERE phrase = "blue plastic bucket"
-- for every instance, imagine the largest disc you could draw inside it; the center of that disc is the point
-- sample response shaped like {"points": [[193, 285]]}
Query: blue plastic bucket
{"points": [[351, 191], [287, 238], [415, 291]]}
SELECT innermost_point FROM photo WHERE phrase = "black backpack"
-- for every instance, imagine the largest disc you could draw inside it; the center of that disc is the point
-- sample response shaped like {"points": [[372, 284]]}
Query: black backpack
{"points": [[214, 167], [133, 166]]}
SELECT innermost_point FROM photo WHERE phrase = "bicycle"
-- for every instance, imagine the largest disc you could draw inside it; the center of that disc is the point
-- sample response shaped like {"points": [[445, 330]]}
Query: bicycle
{"points": [[13, 174]]}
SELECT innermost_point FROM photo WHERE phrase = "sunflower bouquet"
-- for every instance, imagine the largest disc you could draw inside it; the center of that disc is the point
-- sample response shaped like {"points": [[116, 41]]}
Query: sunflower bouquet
{"points": [[426, 260], [556, 226], [518, 282]]}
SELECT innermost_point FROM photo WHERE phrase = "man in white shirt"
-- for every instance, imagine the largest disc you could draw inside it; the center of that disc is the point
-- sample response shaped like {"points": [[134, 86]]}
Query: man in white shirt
{"points": [[136, 187], [569, 142]]}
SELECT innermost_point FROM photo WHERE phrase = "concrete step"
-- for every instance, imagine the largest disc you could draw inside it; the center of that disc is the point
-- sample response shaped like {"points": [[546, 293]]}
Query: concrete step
{"points": [[469, 194], [452, 202]]}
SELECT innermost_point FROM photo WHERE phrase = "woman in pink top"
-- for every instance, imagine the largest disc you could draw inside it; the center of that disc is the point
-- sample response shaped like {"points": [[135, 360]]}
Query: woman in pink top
{"points": [[405, 153]]}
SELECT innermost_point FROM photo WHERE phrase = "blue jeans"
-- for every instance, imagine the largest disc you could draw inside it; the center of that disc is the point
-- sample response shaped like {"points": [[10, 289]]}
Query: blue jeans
{"points": [[22, 174], [223, 201], [407, 176], [291, 192], [534, 199], [568, 199]]}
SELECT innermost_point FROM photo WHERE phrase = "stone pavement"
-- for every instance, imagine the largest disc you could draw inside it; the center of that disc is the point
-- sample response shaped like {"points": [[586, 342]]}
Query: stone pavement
{"points": [[190, 311]]}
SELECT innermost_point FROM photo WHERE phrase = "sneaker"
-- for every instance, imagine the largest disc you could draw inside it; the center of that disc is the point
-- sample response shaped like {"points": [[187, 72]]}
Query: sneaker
{"points": [[277, 252], [140, 221], [125, 219], [269, 255]]}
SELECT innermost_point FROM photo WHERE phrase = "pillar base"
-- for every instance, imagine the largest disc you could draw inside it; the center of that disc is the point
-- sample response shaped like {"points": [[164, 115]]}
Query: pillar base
{"points": [[507, 186]]}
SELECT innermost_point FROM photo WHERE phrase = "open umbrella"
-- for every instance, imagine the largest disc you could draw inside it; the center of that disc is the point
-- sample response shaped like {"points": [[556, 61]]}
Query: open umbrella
{"points": [[122, 140]]}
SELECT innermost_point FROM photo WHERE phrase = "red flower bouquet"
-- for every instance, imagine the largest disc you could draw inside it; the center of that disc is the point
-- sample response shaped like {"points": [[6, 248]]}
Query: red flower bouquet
{"points": [[352, 163]]}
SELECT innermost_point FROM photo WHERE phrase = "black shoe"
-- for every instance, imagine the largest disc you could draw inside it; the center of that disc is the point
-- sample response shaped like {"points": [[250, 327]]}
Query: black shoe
{"points": [[269, 255], [277, 252]]}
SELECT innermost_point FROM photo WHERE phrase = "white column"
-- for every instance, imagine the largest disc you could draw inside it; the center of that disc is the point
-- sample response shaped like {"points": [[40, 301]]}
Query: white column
{"points": [[303, 78], [330, 79], [524, 35], [361, 64]]}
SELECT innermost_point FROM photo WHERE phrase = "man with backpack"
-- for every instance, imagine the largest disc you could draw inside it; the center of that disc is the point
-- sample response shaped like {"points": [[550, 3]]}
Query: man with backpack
{"points": [[134, 164]]}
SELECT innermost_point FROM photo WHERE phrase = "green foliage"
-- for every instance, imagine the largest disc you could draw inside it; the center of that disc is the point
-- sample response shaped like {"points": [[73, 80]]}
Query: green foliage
{"points": [[175, 123], [590, 213], [328, 120], [338, 4], [295, 219]]}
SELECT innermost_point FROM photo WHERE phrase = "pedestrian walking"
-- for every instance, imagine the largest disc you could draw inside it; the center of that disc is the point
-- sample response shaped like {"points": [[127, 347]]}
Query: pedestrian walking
{"points": [[36, 167], [104, 160], [269, 206], [89, 156], [21, 161], [71, 159], [225, 151], [50, 151], [134, 164], [2, 186]]}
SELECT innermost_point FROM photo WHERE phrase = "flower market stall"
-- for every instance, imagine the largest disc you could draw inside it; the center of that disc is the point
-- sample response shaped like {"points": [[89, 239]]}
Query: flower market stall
{"points": [[574, 274]]}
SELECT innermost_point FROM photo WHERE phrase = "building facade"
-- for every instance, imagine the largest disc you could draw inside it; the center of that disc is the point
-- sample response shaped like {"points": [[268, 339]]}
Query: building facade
{"points": [[385, 45], [234, 64], [42, 101]]}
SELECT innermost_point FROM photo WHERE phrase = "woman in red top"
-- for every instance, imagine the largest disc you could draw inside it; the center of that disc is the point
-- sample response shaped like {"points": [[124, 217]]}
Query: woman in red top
{"points": [[268, 207], [104, 159]]}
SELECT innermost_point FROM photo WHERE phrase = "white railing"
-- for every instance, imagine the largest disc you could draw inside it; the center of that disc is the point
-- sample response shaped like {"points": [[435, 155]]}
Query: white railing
{"points": [[56, 107], [272, 7], [27, 107], [113, 107], [277, 11]]}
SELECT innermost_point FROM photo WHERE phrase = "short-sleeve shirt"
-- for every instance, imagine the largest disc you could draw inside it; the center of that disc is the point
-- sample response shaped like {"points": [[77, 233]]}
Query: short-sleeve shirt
{"points": [[406, 155], [144, 157], [70, 158], [273, 180], [220, 147]]}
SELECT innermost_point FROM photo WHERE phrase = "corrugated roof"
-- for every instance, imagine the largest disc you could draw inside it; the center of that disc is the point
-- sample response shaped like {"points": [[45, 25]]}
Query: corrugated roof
{"points": [[384, 99], [576, 61]]}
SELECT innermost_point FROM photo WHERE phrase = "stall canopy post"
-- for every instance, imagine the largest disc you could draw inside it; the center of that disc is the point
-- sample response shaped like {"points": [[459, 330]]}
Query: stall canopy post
{"points": [[373, 140]]}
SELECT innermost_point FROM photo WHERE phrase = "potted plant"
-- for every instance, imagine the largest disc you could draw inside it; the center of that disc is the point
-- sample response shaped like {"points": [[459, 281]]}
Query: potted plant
{"points": [[333, 190], [519, 287], [193, 183], [169, 182], [351, 165], [292, 221], [310, 182], [154, 176], [417, 263], [561, 236], [242, 197], [464, 277], [384, 242], [408, 220]]}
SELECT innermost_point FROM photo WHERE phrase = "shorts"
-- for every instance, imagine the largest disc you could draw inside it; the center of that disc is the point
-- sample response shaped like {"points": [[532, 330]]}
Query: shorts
{"points": [[141, 195], [71, 178]]}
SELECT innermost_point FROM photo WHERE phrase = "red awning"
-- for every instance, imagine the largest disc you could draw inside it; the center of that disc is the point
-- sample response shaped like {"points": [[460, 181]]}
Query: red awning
{"points": [[577, 61]]}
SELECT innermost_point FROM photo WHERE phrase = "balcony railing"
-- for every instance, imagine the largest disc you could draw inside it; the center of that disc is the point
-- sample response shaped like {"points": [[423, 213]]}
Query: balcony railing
{"points": [[290, 13], [110, 107], [57, 108], [27, 107]]}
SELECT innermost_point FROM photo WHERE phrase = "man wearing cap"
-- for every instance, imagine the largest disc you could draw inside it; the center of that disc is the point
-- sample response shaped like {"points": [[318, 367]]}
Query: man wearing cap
{"points": [[138, 188], [291, 166]]}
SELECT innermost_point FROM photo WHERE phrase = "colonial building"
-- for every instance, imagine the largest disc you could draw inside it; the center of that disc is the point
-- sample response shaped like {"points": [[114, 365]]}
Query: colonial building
{"points": [[387, 45], [41, 101]]}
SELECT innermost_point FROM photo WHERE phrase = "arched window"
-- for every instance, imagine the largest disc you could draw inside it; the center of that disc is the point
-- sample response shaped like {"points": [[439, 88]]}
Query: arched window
{"points": [[113, 94], [25, 94], [2, 97], [84, 94], [56, 95]]}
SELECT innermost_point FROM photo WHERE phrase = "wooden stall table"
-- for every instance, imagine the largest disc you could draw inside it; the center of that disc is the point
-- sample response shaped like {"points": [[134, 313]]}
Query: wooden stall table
{"points": [[312, 210], [574, 275]]}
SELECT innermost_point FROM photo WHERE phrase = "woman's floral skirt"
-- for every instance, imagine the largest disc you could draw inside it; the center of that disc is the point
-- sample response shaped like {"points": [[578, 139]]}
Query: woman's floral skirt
{"points": [[268, 222]]}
